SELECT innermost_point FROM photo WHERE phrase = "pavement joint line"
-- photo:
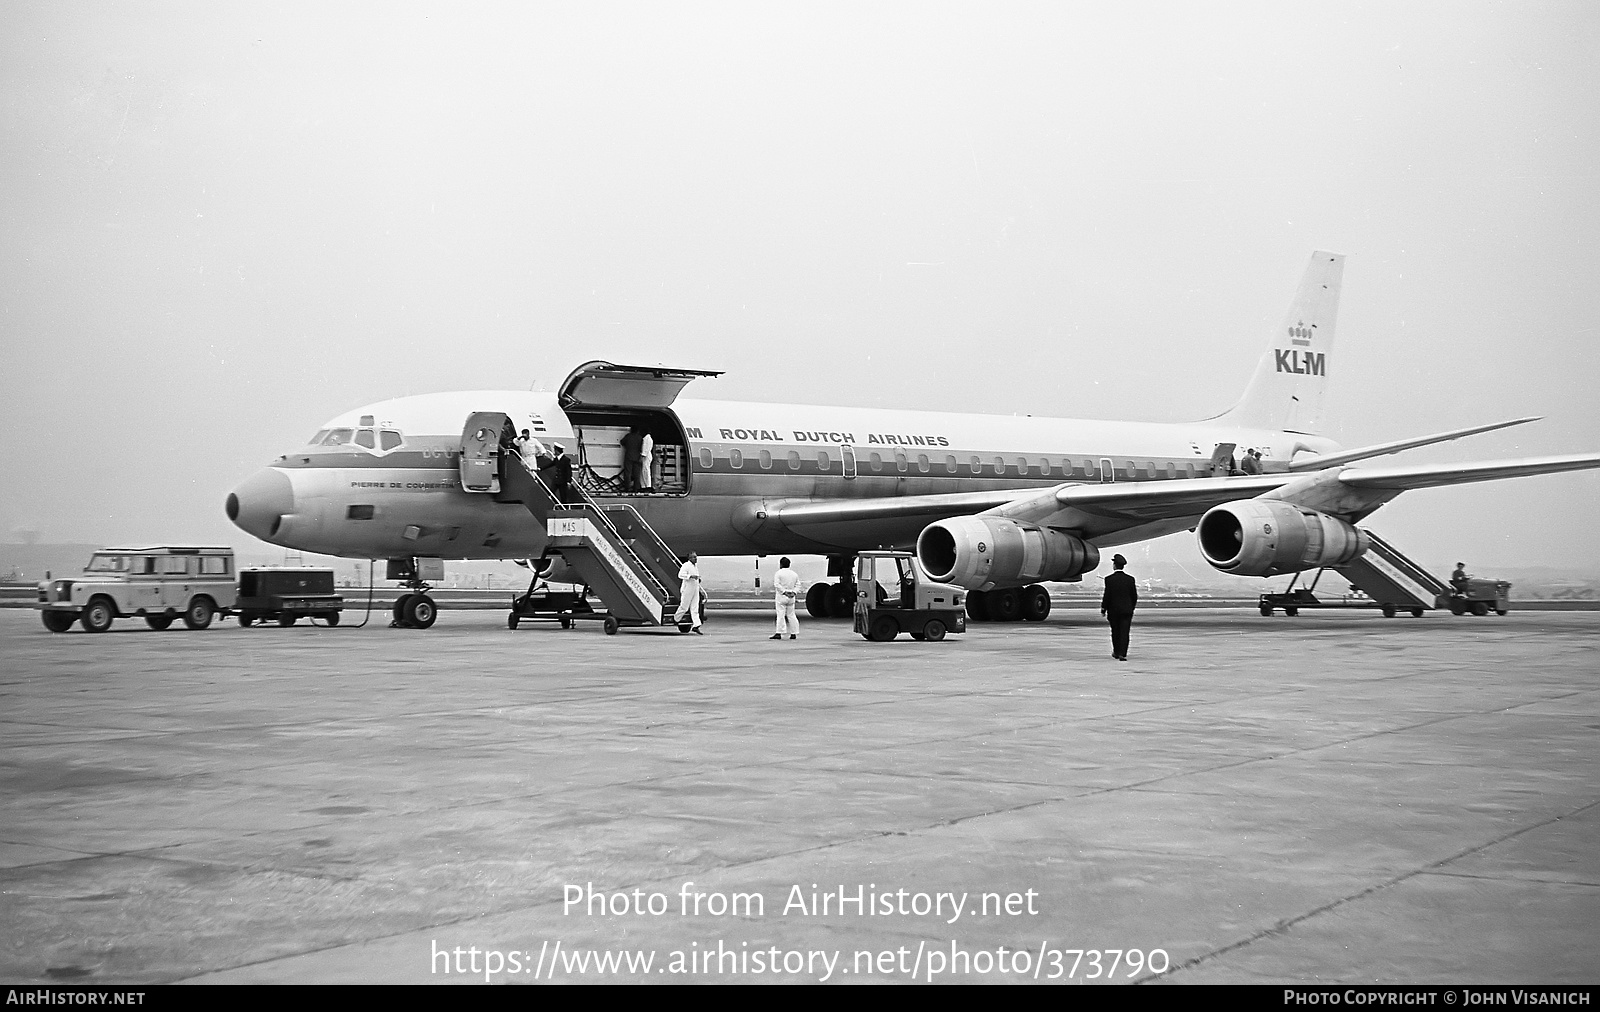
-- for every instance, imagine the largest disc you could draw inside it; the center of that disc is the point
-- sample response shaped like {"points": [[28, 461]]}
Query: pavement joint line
{"points": [[1516, 878], [1283, 926]]}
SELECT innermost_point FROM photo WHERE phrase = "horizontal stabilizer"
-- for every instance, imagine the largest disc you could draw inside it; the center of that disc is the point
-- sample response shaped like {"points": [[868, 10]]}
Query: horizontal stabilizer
{"points": [[1318, 462]]}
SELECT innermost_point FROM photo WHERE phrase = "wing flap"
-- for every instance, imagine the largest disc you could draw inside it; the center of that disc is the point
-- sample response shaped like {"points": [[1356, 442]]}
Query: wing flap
{"points": [[1326, 460]]}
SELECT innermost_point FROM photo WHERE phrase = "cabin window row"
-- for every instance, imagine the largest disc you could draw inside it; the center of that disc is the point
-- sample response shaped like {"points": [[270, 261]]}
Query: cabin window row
{"points": [[877, 463]]}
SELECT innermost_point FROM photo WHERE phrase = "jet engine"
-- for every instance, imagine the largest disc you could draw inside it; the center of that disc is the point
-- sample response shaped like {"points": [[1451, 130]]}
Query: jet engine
{"points": [[1267, 537], [982, 553]]}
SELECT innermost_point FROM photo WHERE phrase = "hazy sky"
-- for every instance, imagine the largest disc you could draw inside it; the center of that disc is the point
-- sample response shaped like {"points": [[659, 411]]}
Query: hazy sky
{"points": [[221, 224]]}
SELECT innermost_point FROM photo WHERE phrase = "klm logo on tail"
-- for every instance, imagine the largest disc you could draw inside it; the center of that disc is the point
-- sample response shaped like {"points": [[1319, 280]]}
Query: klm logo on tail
{"points": [[1302, 363]]}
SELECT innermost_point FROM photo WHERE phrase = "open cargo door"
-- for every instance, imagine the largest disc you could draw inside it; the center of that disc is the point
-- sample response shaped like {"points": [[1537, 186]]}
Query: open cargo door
{"points": [[480, 451], [603, 385]]}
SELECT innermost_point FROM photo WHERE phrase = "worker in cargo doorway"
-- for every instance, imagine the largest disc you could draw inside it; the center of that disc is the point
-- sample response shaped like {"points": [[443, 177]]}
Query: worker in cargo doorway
{"points": [[1251, 463], [785, 594], [1116, 604], [632, 459], [689, 594]]}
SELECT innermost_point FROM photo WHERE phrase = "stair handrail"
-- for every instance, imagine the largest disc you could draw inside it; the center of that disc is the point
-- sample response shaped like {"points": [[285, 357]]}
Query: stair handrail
{"points": [[621, 543]]}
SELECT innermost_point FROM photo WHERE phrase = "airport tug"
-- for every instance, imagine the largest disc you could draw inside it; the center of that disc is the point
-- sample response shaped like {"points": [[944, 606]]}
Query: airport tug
{"points": [[893, 596]]}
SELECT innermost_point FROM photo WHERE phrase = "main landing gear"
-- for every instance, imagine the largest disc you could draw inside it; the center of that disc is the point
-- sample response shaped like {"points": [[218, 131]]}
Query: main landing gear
{"points": [[1009, 604], [834, 600], [413, 609]]}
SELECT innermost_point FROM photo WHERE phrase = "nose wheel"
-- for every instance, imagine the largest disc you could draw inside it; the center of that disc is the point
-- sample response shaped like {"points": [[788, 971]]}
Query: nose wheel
{"points": [[414, 611]]}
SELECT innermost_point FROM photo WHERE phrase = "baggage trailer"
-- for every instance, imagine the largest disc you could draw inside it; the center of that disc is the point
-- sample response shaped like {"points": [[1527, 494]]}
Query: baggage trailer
{"points": [[545, 604], [287, 595]]}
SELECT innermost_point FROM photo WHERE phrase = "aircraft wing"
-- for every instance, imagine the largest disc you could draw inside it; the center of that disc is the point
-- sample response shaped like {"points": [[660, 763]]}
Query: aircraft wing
{"points": [[1120, 512], [1434, 475]]}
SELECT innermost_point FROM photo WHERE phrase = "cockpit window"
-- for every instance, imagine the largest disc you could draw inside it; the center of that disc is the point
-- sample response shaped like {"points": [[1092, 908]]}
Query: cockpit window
{"points": [[337, 437], [365, 438], [321, 434], [389, 439]]}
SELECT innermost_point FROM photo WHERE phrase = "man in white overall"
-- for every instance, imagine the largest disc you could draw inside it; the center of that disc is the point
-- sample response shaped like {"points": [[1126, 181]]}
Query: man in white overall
{"points": [[689, 595], [785, 593]]}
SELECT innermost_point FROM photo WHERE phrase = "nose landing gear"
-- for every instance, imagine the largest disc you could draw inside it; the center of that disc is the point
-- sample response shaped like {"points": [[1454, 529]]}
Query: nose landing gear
{"points": [[413, 610]]}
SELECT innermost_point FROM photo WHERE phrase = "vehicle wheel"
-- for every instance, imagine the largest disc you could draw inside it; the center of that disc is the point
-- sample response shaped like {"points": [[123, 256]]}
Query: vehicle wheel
{"points": [[58, 621], [611, 625], [421, 611], [287, 620], [198, 614], [159, 623], [1035, 603], [332, 618], [978, 606], [1501, 611], [247, 620], [511, 620], [1416, 612], [841, 600], [1291, 612], [566, 623], [400, 605], [1388, 611], [1457, 608], [1005, 605], [817, 600], [884, 629], [98, 615], [934, 630], [1266, 612], [1479, 609]]}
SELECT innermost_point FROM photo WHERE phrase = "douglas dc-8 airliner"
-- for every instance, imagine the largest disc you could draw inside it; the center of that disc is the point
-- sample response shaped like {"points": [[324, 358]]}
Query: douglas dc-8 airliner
{"points": [[994, 504]]}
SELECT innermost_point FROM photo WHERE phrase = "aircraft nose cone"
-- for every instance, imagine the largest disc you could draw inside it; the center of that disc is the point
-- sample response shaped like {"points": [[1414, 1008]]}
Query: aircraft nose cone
{"points": [[259, 505]]}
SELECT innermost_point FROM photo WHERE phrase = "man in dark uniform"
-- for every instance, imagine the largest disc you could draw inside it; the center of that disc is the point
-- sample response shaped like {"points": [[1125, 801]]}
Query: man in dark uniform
{"points": [[1116, 604], [561, 476], [632, 459]]}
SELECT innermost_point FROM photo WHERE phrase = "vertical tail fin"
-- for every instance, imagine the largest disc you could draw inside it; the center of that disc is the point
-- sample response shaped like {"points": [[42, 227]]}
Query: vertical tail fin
{"points": [[1286, 390]]}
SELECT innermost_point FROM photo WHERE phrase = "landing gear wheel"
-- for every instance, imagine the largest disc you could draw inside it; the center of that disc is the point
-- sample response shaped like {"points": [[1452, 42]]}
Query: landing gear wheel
{"points": [[841, 600], [400, 605], [421, 611], [1035, 603], [611, 625], [978, 606], [1388, 611], [58, 621], [1266, 612], [159, 623], [934, 630], [287, 620], [1005, 605], [1291, 612], [97, 616], [198, 614], [817, 600], [512, 620], [884, 629]]}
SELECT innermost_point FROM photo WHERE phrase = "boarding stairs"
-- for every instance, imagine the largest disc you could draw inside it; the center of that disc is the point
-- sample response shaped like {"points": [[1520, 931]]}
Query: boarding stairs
{"points": [[611, 548], [1391, 579]]}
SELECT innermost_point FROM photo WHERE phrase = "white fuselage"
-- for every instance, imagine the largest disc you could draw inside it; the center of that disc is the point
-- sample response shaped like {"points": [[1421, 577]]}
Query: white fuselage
{"points": [[406, 500]]}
